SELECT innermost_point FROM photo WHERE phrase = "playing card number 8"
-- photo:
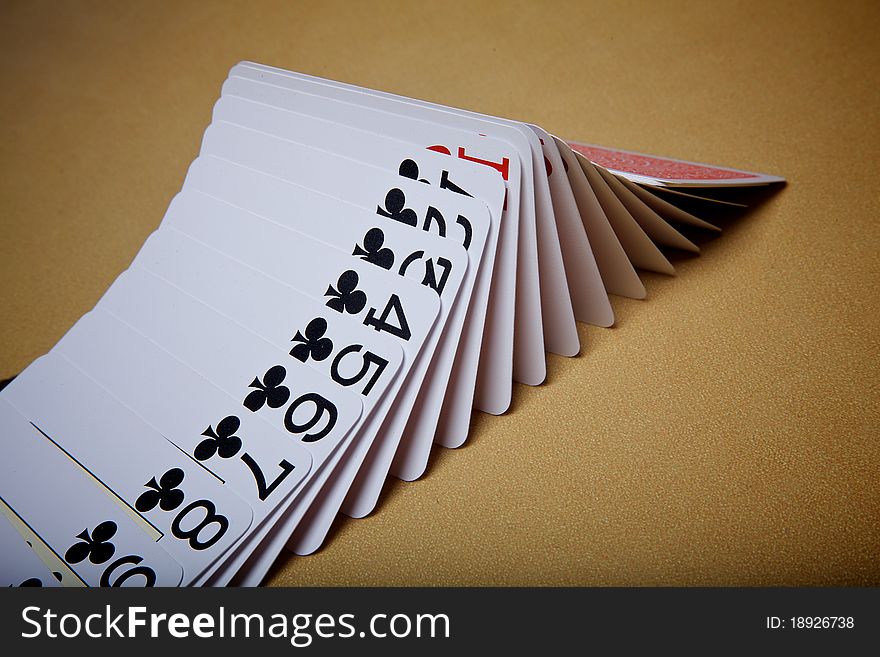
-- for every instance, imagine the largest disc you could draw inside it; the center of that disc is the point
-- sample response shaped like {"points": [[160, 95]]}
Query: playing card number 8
{"points": [[167, 495], [210, 518]]}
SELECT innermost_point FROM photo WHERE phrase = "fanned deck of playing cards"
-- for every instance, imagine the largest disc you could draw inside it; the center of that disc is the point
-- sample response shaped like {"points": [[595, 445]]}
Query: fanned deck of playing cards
{"points": [[345, 275]]}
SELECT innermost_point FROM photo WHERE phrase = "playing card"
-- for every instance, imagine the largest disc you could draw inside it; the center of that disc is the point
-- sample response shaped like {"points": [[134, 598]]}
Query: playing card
{"points": [[196, 307], [588, 297], [349, 354], [665, 209], [618, 274], [640, 250], [704, 198], [368, 236], [185, 508], [665, 171], [287, 114], [97, 536], [59, 568], [20, 565], [658, 230]]}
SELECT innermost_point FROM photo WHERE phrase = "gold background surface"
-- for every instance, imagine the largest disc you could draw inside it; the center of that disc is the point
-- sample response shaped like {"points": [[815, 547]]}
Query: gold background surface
{"points": [[724, 432]]}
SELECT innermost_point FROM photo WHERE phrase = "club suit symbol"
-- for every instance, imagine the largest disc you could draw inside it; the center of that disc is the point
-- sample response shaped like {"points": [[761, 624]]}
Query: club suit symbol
{"points": [[96, 547], [372, 250], [313, 344], [395, 200], [410, 169], [269, 391], [164, 493], [346, 297], [223, 442], [33, 581]]}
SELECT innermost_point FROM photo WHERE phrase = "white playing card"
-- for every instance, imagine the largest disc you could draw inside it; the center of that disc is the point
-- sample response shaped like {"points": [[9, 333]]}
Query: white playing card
{"points": [[230, 287], [20, 565], [529, 363], [59, 568], [679, 194], [247, 451], [618, 274], [666, 209], [312, 266], [588, 297], [187, 509], [97, 537], [640, 250], [652, 223]]}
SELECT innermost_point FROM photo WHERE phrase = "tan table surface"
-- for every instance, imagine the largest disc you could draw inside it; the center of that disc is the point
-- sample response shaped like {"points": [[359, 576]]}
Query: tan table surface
{"points": [[725, 431]]}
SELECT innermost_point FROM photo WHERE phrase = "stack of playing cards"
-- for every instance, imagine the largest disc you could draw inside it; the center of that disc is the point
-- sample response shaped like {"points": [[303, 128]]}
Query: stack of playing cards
{"points": [[343, 277]]}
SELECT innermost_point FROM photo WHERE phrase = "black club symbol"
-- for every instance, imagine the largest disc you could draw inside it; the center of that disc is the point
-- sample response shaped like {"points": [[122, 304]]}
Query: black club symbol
{"points": [[269, 392], [165, 492], [223, 442], [409, 169], [372, 250], [95, 547], [395, 200], [313, 344], [33, 581], [347, 299]]}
